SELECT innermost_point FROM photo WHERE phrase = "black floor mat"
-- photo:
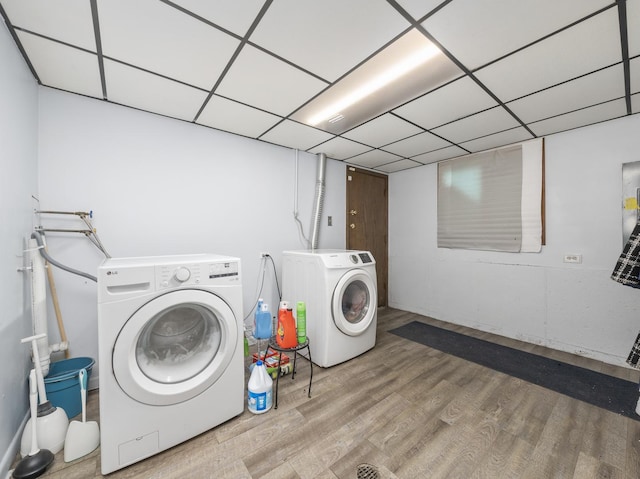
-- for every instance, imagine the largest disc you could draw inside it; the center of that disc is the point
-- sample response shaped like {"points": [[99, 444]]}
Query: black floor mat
{"points": [[608, 392]]}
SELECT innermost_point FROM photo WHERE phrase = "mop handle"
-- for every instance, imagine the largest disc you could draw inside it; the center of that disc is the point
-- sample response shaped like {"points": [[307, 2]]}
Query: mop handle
{"points": [[36, 361], [33, 407]]}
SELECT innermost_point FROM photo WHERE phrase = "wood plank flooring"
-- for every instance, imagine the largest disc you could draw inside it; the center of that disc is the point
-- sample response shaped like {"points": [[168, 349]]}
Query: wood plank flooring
{"points": [[410, 411]]}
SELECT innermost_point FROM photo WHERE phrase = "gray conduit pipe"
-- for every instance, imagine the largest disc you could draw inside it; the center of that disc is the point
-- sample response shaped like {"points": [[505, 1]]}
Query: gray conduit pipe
{"points": [[319, 199], [38, 237]]}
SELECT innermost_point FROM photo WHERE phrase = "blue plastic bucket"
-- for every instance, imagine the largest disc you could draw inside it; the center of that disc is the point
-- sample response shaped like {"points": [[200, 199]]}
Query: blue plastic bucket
{"points": [[62, 385]]}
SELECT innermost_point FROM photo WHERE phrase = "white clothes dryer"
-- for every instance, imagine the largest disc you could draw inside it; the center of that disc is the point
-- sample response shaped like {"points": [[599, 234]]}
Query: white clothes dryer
{"points": [[170, 352], [339, 288]]}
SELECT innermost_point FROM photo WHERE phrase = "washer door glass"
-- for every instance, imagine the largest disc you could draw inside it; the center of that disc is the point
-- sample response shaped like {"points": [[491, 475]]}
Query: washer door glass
{"points": [[175, 347], [354, 302]]}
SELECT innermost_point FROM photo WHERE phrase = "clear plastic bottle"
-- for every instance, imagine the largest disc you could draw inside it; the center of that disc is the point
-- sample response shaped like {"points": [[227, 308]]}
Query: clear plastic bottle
{"points": [[260, 398], [263, 321]]}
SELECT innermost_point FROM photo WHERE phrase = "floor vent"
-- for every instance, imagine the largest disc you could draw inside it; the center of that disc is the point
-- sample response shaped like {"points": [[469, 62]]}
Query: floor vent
{"points": [[367, 471]]}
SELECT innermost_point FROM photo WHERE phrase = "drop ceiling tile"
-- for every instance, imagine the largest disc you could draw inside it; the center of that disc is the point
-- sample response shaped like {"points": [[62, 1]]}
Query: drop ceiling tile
{"points": [[398, 166], [68, 21], [340, 148], [588, 90], [382, 130], [63, 67], [635, 103], [419, 8], [146, 91], [509, 137], [500, 27], [295, 135], [157, 37], [576, 119], [235, 117], [584, 48], [634, 70], [475, 126], [236, 17], [417, 144], [373, 159], [330, 37], [633, 26], [451, 102], [259, 79], [439, 155]]}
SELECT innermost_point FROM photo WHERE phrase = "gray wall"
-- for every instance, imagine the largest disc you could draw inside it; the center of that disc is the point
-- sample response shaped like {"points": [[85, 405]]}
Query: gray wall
{"points": [[534, 297], [18, 182]]}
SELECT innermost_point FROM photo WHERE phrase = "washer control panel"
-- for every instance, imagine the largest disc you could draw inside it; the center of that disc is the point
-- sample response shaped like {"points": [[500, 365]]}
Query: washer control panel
{"points": [[193, 274]]}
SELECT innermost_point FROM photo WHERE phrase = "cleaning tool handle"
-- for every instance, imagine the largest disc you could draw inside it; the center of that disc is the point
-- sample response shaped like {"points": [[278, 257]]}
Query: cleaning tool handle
{"points": [[36, 361], [33, 406], [82, 377]]}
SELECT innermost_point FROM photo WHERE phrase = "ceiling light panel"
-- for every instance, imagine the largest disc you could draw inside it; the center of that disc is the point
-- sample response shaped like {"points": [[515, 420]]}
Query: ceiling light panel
{"points": [[500, 27], [139, 89], [329, 37], [236, 17], [417, 144], [294, 135], [576, 119], [451, 102], [340, 148], [157, 37], [409, 67], [63, 67], [68, 21], [235, 117], [584, 48], [259, 79], [605, 85], [382, 130], [475, 126]]}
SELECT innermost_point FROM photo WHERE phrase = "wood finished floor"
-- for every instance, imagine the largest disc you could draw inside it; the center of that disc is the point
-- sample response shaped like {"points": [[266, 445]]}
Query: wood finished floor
{"points": [[412, 412]]}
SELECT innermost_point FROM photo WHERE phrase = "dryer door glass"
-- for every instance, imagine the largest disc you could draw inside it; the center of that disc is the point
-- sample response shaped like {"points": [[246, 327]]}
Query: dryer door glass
{"points": [[178, 343], [354, 302]]}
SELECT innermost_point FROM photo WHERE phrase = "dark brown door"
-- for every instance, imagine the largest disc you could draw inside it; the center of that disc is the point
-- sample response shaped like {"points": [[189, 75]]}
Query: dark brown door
{"points": [[367, 205]]}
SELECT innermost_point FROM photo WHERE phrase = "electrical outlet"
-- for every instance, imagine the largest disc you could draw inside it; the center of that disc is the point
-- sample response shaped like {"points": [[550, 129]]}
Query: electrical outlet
{"points": [[573, 258], [264, 255]]}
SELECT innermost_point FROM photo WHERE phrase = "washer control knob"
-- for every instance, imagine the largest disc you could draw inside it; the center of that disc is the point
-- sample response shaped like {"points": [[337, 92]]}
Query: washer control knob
{"points": [[182, 274]]}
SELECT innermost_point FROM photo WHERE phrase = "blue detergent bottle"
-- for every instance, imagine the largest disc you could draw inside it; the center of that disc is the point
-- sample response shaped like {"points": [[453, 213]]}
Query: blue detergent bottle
{"points": [[263, 321]]}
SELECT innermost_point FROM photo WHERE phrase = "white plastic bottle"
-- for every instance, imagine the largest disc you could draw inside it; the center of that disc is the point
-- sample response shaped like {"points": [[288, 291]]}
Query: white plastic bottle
{"points": [[260, 389]]}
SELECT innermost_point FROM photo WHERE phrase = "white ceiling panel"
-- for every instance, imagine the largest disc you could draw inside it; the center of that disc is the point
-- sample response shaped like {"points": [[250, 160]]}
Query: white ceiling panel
{"points": [[139, 89], [419, 8], [417, 144], [515, 135], [453, 101], [634, 68], [329, 37], [259, 79], [340, 148], [236, 17], [295, 135], [398, 166], [439, 155], [589, 46], [373, 159], [483, 21], [588, 90], [382, 130], [635, 103], [587, 116], [633, 26], [159, 38], [63, 67], [68, 21], [480, 124], [235, 117]]}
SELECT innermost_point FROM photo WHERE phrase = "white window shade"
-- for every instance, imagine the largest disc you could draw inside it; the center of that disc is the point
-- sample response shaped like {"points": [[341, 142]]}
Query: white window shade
{"points": [[492, 200]]}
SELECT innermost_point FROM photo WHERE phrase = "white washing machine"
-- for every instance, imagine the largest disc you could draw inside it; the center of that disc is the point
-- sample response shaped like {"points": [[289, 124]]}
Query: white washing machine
{"points": [[170, 351], [340, 291]]}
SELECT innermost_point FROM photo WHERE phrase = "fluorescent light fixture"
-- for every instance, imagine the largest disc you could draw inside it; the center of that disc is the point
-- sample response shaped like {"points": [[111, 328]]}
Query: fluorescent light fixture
{"points": [[407, 68], [402, 67]]}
